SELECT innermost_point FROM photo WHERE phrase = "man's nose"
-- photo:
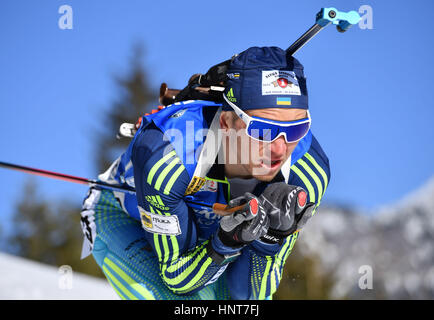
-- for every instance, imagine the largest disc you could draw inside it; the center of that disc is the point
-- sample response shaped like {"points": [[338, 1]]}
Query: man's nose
{"points": [[278, 147]]}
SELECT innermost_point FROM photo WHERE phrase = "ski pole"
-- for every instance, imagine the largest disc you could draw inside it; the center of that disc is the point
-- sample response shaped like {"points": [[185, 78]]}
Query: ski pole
{"points": [[66, 177], [218, 208]]}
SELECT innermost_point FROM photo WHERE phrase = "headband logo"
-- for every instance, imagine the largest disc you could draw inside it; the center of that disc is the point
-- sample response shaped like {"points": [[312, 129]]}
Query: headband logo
{"points": [[230, 95], [279, 82]]}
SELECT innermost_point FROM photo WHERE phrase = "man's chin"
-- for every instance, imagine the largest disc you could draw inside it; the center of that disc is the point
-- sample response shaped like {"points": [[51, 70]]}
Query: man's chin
{"points": [[264, 178]]}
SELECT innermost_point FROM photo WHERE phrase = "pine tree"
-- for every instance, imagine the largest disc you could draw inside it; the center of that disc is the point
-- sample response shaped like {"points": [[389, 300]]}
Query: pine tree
{"points": [[48, 231], [136, 98]]}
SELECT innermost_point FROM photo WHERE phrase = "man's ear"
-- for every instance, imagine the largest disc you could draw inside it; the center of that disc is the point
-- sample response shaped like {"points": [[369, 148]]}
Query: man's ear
{"points": [[226, 120]]}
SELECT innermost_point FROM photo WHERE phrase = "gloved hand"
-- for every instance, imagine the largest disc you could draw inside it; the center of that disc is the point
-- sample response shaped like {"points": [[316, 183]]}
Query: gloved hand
{"points": [[287, 209], [245, 225]]}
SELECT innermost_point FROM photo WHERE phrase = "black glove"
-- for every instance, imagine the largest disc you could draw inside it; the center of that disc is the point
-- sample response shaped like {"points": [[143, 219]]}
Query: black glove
{"points": [[287, 209], [245, 225]]}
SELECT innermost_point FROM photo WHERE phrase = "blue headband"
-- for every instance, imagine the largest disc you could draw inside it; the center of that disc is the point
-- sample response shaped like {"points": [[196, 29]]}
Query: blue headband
{"points": [[266, 77]]}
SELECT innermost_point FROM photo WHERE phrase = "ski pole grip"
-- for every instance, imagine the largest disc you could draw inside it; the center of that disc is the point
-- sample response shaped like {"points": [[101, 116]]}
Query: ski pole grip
{"points": [[224, 209]]}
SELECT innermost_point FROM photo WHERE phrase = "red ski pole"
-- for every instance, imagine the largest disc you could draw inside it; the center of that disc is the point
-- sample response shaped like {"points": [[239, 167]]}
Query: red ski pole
{"points": [[218, 208]]}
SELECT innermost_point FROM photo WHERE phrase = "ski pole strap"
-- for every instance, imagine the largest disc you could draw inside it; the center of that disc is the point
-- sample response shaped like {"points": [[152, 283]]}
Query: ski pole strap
{"points": [[224, 209]]}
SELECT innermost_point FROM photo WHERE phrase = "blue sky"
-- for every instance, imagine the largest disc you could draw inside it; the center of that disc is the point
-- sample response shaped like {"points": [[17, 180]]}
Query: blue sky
{"points": [[370, 91]]}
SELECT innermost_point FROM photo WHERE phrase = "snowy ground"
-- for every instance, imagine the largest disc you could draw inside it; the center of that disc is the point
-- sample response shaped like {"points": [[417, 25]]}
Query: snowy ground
{"points": [[22, 279]]}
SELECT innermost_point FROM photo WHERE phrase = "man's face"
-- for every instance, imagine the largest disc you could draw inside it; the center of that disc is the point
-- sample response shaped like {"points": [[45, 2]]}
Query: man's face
{"points": [[251, 158]]}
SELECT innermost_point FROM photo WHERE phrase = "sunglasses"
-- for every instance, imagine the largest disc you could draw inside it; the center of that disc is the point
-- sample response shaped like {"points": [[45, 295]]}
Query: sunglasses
{"points": [[262, 129]]}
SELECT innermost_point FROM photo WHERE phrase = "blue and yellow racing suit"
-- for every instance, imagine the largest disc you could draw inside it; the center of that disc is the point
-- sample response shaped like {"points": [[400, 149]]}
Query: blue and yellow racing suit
{"points": [[154, 244]]}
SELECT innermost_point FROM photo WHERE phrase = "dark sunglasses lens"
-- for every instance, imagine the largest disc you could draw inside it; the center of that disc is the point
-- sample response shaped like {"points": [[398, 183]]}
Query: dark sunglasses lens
{"points": [[262, 132], [268, 132], [295, 133]]}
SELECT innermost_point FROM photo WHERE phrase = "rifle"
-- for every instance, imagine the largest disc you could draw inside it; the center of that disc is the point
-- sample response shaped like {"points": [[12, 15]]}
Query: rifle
{"points": [[210, 85]]}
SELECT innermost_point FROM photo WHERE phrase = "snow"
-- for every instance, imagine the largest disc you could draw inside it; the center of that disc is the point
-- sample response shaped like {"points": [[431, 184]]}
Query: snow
{"points": [[22, 279]]}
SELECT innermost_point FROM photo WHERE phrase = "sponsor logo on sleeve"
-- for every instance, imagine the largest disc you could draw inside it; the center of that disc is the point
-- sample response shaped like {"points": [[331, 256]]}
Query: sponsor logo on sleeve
{"points": [[195, 185], [178, 114], [210, 186], [160, 224], [156, 202]]}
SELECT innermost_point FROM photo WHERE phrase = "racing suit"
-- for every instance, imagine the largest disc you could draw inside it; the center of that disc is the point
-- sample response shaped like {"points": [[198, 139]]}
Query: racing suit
{"points": [[154, 244]]}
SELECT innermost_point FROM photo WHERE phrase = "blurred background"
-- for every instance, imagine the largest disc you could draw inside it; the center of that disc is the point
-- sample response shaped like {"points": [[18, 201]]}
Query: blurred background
{"points": [[68, 79]]}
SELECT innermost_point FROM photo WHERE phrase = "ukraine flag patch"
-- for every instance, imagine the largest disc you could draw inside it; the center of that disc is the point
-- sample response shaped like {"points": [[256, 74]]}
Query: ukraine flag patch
{"points": [[283, 101]]}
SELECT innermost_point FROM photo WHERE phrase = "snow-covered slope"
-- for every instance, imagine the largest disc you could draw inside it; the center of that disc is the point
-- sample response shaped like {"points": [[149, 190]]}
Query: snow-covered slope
{"points": [[397, 243], [25, 279]]}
